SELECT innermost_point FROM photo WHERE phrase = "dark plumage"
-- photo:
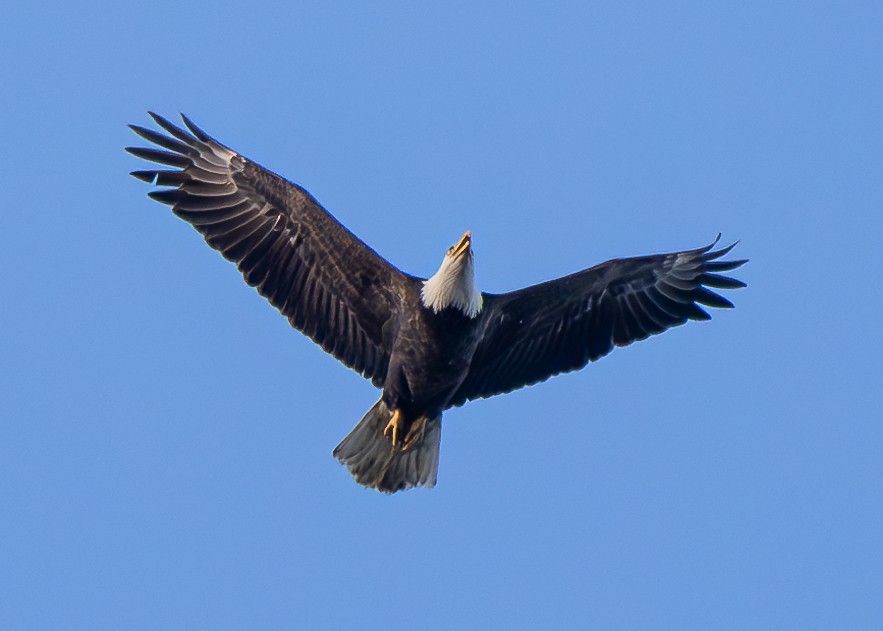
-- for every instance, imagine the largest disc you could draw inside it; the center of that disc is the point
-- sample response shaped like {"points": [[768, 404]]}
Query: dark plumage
{"points": [[430, 344]]}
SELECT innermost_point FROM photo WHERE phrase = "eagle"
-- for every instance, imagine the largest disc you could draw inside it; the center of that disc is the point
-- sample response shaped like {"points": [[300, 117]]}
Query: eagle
{"points": [[429, 344]]}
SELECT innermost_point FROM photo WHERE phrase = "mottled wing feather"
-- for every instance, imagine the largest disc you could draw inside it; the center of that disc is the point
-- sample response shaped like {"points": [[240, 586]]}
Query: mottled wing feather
{"points": [[328, 283], [561, 325]]}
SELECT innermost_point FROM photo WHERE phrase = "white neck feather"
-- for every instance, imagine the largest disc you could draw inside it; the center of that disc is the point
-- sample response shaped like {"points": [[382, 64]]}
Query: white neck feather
{"points": [[453, 285]]}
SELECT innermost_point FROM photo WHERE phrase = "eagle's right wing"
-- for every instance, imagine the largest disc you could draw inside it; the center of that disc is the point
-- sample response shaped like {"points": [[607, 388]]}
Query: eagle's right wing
{"points": [[328, 283]]}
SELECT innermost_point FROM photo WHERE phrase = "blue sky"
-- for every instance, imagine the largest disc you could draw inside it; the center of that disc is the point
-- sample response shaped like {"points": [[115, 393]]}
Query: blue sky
{"points": [[165, 444]]}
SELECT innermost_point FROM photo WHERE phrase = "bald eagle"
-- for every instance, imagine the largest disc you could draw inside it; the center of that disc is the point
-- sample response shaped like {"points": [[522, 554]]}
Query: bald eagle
{"points": [[430, 343]]}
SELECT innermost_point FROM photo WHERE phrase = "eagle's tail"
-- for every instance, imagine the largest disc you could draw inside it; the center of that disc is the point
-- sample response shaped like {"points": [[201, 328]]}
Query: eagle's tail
{"points": [[378, 464]]}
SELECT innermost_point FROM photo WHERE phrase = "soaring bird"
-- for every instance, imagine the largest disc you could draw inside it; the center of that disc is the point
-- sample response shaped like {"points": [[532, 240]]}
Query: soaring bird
{"points": [[430, 343]]}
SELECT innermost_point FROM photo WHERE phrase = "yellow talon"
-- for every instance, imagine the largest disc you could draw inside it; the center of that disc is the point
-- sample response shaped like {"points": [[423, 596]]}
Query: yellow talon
{"points": [[393, 425], [415, 435]]}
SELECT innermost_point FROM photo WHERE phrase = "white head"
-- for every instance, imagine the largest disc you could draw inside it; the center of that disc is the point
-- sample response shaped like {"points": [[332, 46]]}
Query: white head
{"points": [[453, 285]]}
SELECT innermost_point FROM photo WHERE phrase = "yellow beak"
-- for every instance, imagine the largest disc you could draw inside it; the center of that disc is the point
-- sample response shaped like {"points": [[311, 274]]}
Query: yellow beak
{"points": [[463, 244]]}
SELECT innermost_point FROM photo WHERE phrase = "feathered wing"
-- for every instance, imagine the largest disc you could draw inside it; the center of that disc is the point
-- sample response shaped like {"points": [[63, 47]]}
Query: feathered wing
{"points": [[561, 325], [328, 283]]}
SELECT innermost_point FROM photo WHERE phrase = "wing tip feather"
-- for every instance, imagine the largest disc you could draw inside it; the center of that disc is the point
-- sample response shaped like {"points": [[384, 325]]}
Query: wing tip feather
{"points": [[167, 196], [145, 176], [195, 129]]}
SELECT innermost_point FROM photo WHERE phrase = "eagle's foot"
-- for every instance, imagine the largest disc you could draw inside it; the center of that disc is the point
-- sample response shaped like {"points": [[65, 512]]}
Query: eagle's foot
{"points": [[415, 434], [393, 427]]}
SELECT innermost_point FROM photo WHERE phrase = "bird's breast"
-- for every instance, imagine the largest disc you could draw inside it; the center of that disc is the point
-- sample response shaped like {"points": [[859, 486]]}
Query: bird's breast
{"points": [[430, 359]]}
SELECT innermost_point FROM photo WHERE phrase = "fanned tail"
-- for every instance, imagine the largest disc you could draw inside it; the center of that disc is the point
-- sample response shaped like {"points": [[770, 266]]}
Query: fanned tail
{"points": [[375, 463]]}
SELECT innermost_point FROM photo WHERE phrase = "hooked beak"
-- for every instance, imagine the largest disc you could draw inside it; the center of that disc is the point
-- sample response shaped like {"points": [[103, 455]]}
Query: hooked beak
{"points": [[463, 245]]}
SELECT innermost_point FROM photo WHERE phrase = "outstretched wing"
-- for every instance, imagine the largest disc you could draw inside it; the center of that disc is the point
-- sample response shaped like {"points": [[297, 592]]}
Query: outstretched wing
{"points": [[328, 283], [561, 325]]}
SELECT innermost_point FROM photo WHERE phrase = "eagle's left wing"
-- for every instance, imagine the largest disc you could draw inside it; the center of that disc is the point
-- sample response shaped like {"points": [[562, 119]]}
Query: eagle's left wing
{"points": [[561, 325]]}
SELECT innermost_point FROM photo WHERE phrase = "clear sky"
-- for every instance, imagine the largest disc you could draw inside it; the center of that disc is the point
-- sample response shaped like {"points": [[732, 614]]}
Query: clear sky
{"points": [[165, 444]]}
